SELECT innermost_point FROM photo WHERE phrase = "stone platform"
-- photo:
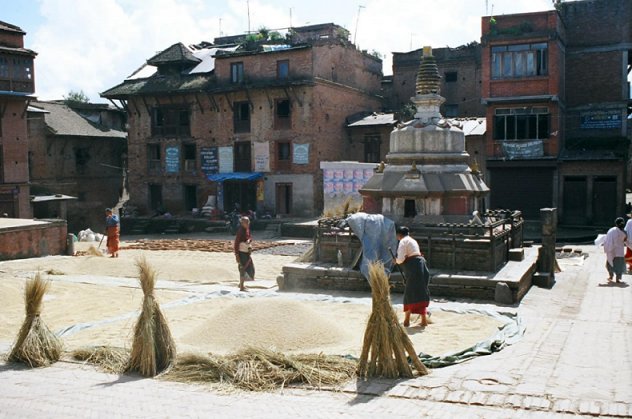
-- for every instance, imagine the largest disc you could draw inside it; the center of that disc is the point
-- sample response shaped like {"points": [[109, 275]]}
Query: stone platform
{"points": [[507, 286], [24, 238]]}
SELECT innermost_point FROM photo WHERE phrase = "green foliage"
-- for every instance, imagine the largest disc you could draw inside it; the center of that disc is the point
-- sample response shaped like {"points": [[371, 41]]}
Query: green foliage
{"points": [[275, 36], [76, 97], [407, 112], [376, 54]]}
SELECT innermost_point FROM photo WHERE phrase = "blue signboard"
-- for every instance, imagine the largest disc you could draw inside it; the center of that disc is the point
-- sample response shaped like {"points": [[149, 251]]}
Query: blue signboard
{"points": [[608, 119], [301, 153], [172, 159]]}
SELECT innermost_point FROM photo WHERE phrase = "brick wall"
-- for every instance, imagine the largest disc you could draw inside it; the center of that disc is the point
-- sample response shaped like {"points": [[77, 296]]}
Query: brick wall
{"points": [[33, 240]]}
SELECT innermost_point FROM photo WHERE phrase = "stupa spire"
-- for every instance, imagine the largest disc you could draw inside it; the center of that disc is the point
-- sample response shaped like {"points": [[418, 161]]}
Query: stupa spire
{"points": [[428, 78]]}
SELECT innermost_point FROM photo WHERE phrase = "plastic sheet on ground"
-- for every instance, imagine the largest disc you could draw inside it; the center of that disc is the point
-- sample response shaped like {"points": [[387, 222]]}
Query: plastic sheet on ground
{"points": [[512, 331]]}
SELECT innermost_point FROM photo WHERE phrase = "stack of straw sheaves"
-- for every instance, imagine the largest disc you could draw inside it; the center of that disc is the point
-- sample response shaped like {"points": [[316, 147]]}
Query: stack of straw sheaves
{"points": [[153, 347], [385, 339], [35, 345]]}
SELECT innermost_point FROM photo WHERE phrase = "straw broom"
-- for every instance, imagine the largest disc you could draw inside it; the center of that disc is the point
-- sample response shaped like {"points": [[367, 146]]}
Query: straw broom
{"points": [[153, 347], [385, 340], [36, 345]]}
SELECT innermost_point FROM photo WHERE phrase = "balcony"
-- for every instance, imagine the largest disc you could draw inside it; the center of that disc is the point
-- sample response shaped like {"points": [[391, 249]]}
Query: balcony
{"points": [[21, 86]]}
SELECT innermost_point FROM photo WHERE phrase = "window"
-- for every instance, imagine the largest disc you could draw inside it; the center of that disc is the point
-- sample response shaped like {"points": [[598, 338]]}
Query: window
{"points": [[410, 209], [451, 76], [451, 111], [283, 69], [170, 121], [515, 61], [242, 156], [284, 155], [153, 157], [237, 72], [282, 114], [188, 156], [82, 156], [22, 69], [241, 117], [372, 148], [521, 123], [4, 68]]}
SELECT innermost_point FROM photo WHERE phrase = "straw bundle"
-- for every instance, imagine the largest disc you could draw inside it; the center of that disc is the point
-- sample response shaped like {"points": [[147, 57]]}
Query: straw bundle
{"points": [[36, 345], [385, 340], [153, 348], [342, 210], [109, 359], [259, 369]]}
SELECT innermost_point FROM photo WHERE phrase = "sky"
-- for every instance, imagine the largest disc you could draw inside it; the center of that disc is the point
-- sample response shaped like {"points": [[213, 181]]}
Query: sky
{"points": [[91, 46]]}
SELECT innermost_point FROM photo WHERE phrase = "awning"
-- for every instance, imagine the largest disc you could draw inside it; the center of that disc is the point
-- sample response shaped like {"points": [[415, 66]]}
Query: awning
{"points": [[220, 177]]}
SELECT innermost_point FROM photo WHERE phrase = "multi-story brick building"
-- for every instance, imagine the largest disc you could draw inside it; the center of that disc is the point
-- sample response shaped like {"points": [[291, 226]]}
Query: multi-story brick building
{"points": [[557, 97], [246, 121], [17, 85], [76, 150], [594, 169]]}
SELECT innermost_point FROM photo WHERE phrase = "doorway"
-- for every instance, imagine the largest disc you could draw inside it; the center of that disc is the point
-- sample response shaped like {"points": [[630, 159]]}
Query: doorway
{"points": [[283, 198], [190, 197]]}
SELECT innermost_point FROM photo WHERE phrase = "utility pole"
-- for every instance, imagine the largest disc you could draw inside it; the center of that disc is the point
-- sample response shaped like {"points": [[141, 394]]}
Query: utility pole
{"points": [[355, 33], [248, 10]]}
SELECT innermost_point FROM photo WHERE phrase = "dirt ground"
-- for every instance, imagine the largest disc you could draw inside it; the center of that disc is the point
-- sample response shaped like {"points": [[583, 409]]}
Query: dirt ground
{"points": [[93, 300]]}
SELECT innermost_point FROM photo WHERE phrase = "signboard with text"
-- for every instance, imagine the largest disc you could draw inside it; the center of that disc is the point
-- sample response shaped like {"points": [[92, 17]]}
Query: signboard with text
{"points": [[609, 119], [209, 159], [172, 159]]}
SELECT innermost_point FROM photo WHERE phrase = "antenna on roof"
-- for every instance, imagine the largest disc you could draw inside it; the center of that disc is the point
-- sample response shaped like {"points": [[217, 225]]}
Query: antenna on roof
{"points": [[220, 27], [248, 9], [290, 17], [357, 22]]}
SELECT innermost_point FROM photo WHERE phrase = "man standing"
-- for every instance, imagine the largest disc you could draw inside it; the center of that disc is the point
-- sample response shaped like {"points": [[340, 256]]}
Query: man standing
{"points": [[417, 276], [614, 246], [112, 231]]}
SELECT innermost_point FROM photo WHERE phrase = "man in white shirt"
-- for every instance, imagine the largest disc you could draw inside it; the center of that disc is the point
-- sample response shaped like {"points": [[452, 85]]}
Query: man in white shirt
{"points": [[614, 246]]}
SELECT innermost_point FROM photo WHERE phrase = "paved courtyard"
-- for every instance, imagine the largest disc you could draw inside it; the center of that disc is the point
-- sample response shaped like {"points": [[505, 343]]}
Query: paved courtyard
{"points": [[574, 359]]}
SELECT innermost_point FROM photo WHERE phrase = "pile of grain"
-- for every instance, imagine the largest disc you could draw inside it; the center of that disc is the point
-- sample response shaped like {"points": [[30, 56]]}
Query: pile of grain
{"points": [[274, 323]]}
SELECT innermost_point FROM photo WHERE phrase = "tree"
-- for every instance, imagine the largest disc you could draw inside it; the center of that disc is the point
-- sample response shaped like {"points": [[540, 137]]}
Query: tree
{"points": [[74, 97]]}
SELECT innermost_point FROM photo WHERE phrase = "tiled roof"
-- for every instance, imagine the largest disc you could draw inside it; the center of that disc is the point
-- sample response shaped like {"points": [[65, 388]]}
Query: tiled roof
{"points": [[176, 53], [158, 85], [4, 26], [61, 120]]}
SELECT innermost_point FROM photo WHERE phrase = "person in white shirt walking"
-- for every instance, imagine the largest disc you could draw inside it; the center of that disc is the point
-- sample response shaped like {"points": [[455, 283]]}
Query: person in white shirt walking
{"points": [[614, 246]]}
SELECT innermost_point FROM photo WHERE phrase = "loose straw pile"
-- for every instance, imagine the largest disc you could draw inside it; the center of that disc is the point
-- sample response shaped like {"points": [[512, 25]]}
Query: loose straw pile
{"points": [[385, 340], [258, 369], [36, 345], [153, 347]]}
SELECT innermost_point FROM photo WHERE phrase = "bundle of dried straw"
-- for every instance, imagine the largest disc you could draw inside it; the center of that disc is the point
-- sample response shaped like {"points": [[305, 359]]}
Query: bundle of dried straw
{"points": [[153, 347], [36, 345], [109, 359], [258, 369], [385, 339]]}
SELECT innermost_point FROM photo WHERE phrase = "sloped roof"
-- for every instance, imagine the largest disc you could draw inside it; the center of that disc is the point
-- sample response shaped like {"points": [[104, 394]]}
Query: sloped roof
{"points": [[63, 121], [375, 119], [470, 126], [4, 26], [176, 53]]}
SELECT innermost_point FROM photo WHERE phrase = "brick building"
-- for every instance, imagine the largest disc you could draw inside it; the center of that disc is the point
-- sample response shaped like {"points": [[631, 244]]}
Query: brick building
{"points": [[594, 165], [76, 151], [17, 85], [557, 99], [244, 120]]}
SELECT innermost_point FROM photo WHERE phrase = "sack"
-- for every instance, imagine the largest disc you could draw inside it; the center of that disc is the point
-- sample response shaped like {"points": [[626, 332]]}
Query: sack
{"points": [[245, 247]]}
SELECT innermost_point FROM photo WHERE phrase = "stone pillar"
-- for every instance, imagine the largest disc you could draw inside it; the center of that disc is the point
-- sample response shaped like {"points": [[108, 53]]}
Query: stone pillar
{"points": [[546, 260]]}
